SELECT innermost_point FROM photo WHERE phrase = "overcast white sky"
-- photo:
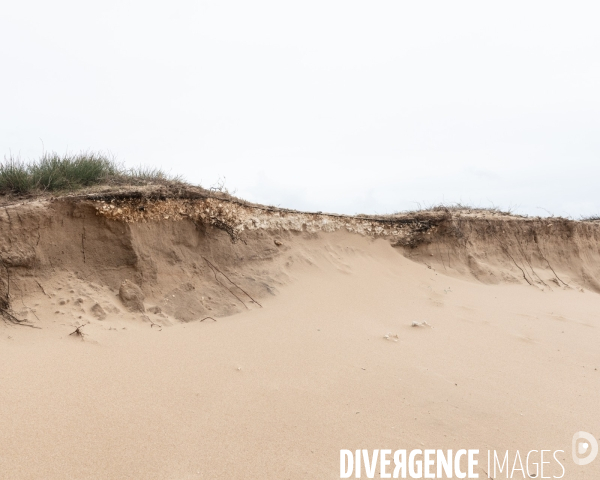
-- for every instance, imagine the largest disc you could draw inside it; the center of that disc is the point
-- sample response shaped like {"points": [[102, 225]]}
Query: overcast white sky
{"points": [[353, 107]]}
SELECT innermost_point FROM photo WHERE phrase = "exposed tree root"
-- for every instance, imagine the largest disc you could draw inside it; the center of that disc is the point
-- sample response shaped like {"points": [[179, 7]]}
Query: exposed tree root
{"points": [[215, 270], [78, 332], [550, 266], [5, 310]]}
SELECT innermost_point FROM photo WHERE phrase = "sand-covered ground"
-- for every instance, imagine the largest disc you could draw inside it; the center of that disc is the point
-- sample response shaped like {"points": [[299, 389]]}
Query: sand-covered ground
{"points": [[330, 361]]}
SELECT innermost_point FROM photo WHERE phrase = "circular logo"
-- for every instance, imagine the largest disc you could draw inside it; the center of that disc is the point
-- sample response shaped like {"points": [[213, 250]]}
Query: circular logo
{"points": [[585, 448]]}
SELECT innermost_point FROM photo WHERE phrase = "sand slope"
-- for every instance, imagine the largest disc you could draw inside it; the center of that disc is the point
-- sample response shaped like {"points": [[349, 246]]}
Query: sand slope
{"points": [[276, 392]]}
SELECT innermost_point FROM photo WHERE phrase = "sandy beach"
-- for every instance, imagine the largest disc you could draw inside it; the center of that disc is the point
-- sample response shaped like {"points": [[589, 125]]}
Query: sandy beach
{"points": [[353, 346]]}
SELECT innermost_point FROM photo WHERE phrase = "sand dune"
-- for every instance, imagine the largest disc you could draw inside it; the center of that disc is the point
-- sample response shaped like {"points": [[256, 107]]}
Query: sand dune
{"points": [[312, 348]]}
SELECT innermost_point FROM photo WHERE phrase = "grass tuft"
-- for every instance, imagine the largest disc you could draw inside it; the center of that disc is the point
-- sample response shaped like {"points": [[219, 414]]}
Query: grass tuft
{"points": [[457, 208], [150, 173], [53, 172], [14, 176]]}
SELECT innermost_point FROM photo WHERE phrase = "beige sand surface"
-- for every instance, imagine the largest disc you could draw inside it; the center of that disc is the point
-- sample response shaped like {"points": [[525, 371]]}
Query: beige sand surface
{"points": [[276, 392]]}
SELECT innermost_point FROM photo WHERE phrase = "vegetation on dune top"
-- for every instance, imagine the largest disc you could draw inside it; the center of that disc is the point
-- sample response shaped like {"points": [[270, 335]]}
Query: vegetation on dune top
{"points": [[72, 172], [53, 172], [459, 208]]}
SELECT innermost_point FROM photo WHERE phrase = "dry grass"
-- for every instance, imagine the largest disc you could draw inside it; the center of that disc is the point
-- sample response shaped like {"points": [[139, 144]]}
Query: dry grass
{"points": [[457, 208], [56, 173]]}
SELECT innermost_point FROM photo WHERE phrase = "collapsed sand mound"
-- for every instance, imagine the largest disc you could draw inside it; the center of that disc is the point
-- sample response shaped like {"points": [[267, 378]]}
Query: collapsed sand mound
{"points": [[191, 255]]}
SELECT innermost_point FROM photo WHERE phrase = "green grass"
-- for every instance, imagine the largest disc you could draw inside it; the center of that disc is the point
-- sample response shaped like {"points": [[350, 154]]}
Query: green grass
{"points": [[53, 172]]}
